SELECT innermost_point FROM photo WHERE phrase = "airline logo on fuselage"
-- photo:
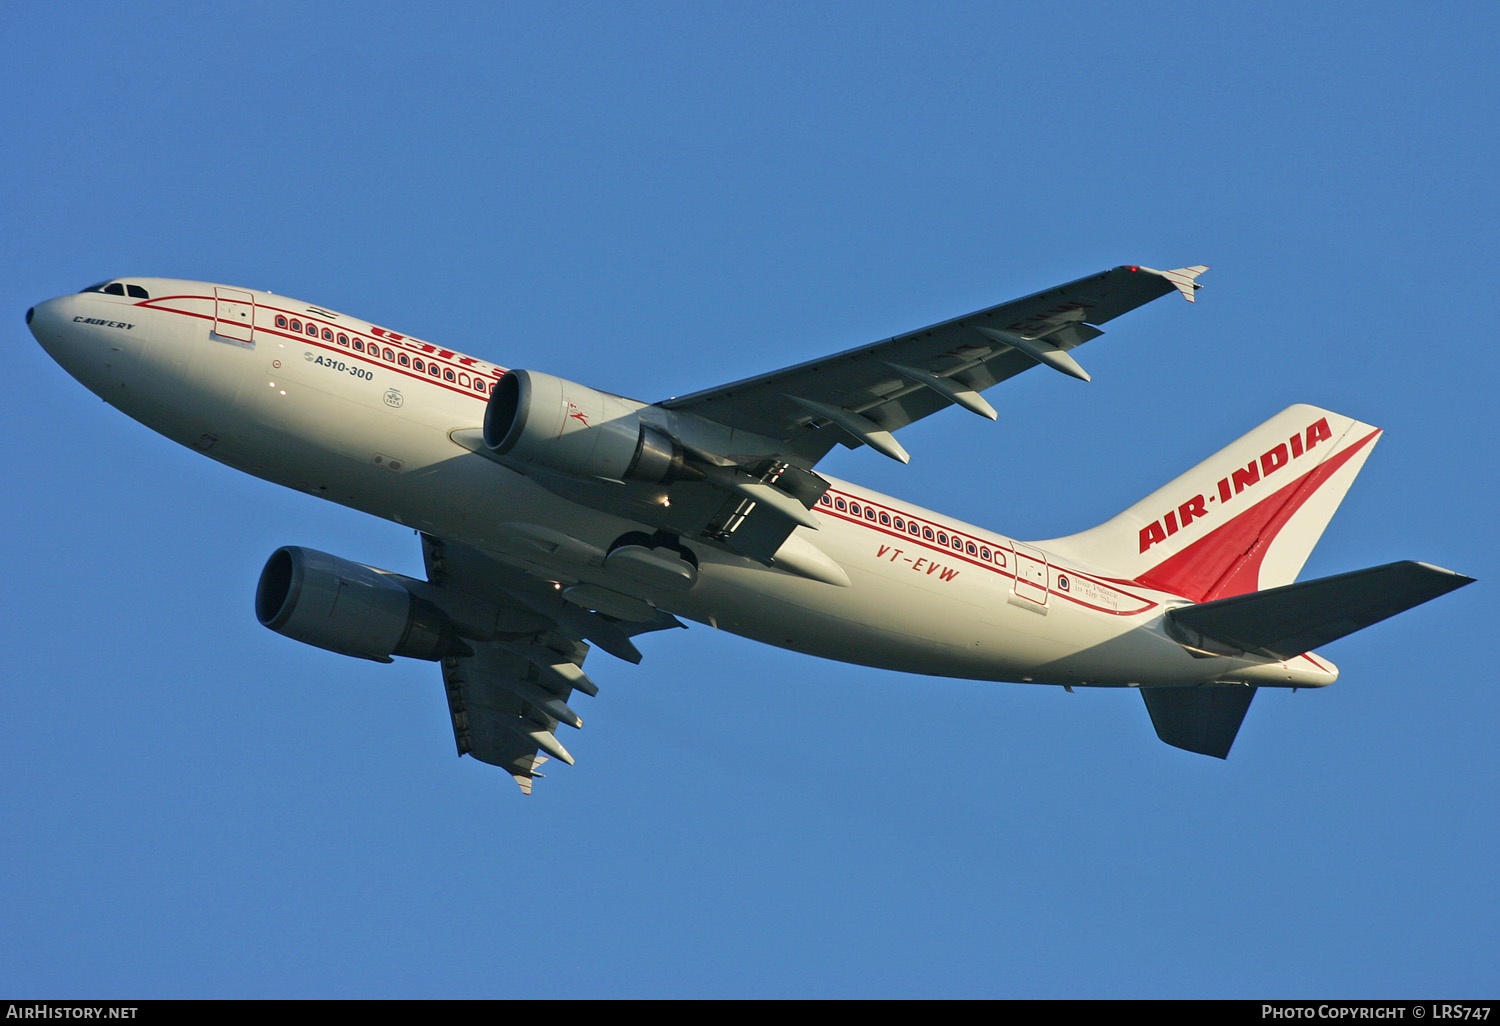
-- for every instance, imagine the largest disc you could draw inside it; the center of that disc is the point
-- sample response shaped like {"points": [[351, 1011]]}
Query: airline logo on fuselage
{"points": [[1280, 455]]}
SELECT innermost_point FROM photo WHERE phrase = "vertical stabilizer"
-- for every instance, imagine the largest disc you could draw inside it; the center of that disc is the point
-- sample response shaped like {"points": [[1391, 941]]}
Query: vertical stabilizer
{"points": [[1244, 519]]}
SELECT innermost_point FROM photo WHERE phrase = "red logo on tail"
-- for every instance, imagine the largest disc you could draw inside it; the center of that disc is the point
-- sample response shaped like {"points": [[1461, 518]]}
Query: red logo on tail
{"points": [[1273, 459]]}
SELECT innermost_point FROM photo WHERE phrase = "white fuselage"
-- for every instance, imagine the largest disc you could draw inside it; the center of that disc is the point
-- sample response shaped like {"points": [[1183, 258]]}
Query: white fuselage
{"points": [[365, 417]]}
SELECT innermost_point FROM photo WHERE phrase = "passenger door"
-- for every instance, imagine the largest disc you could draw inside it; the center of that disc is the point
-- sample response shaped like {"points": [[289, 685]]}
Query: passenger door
{"points": [[234, 315]]}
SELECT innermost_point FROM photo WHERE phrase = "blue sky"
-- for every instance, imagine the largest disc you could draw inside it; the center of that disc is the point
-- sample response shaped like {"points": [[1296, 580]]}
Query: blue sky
{"points": [[656, 198]]}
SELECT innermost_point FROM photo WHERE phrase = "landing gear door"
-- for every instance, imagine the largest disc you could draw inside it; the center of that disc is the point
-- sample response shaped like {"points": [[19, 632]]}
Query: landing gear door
{"points": [[234, 315], [1032, 574]]}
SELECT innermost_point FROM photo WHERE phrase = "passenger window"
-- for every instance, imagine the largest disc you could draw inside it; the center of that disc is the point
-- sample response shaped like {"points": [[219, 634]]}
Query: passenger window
{"points": [[405, 360], [418, 365], [327, 335], [343, 340], [869, 513], [280, 321], [927, 533], [114, 289], [984, 552], [841, 504], [296, 324], [390, 354], [885, 518], [942, 538], [432, 369], [958, 543], [449, 375], [359, 345], [915, 529], [312, 329], [825, 500], [854, 508], [136, 292]]}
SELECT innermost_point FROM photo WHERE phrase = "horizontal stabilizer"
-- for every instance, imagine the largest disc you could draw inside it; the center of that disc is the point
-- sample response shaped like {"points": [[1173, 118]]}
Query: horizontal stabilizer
{"points": [[1284, 622], [1203, 720]]}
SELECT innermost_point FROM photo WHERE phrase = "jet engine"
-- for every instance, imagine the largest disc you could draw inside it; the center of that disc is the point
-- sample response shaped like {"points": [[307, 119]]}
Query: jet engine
{"points": [[538, 419], [348, 608]]}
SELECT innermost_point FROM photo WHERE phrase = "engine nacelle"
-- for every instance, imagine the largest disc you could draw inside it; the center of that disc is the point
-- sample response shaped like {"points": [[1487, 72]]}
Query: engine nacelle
{"points": [[558, 425], [348, 608]]}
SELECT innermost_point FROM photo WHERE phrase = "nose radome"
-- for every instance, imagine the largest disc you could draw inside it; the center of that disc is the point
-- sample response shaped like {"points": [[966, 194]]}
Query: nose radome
{"points": [[49, 322], [37, 319], [40, 317]]}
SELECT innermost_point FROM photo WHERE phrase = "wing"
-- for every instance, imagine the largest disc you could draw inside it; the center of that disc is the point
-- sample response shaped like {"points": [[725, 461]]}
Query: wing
{"points": [[507, 695], [731, 467], [869, 392]]}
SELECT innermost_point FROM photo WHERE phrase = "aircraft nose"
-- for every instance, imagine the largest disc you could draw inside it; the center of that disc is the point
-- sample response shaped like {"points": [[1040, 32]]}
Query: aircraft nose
{"points": [[95, 349], [40, 319], [52, 323], [46, 322]]}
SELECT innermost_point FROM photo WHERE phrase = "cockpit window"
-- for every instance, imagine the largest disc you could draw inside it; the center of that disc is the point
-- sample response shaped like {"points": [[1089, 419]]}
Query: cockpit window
{"points": [[115, 288]]}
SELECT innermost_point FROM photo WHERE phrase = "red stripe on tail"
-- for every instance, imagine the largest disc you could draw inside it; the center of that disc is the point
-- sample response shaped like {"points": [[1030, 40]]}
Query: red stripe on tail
{"points": [[1227, 560]]}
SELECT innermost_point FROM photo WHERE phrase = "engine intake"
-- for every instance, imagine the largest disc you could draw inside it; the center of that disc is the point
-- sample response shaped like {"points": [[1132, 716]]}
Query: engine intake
{"points": [[552, 423], [348, 608]]}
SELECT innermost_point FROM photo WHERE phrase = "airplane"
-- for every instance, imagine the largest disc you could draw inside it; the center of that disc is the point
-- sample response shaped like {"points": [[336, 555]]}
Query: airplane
{"points": [[556, 517]]}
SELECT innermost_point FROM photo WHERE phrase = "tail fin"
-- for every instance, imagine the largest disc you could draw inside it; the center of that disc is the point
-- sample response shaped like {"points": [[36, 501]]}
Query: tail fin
{"points": [[1244, 519]]}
